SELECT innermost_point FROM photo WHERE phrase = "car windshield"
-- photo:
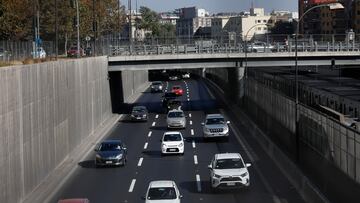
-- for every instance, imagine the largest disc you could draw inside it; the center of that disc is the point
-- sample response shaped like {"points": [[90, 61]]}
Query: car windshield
{"points": [[169, 95], [161, 193], [138, 109], [156, 83], [229, 164], [174, 103], [110, 147], [211, 121], [175, 114], [172, 137]]}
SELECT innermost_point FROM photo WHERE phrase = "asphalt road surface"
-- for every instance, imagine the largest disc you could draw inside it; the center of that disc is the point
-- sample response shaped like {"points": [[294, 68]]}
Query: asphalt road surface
{"points": [[190, 172]]}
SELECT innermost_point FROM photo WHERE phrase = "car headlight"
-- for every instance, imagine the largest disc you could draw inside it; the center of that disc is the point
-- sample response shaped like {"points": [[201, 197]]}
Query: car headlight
{"points": [[132, 115], [181, 144], [217, 176], [206, 130], [119, 156], [164, 145], [98, 156], [244, 174], [226, 129], [144, 116]]}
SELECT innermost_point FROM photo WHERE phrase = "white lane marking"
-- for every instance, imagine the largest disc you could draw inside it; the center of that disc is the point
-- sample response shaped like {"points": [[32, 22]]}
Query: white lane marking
{"points": [[198, 183], [157, 116], [192, 131], [195, 160], [140, 161], [132, 185], [190, 115], [193, 144], [149, 134], [188, 99], [145, 145], [190, 122], [153, 124]]}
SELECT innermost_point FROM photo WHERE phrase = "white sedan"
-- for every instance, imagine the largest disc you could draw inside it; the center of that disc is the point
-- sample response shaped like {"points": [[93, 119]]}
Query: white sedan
{"points": [[172, 143], [163, 191]]}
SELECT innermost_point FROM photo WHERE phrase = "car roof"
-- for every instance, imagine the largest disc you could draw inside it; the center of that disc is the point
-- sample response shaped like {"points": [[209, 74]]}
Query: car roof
{"points": [[78, 200], [156, 82], [162, 183], [176, 110], [172, 132], [228, 156], [214, 116], [176, 86], [139, 107], [111, 142]]}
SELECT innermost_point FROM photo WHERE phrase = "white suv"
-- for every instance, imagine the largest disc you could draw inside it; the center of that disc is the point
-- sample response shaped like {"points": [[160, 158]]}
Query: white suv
{"points": [[163, 191], [228, 170], [172, 143], [215, 126]]}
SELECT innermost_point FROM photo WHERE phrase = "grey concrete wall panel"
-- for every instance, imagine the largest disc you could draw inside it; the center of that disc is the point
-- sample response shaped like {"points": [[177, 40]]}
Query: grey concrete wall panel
{"points": [[132, 81], [46, 110]]}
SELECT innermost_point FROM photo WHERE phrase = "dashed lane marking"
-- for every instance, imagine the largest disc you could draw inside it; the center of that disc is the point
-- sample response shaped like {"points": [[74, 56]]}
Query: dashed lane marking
{"points": [[157, 116], [145, 145], [190, 115], [153, 124], [190, 122], [195, 160], [188, 99], [192, 131], [198, 182], [149, 134], [132, 185], [193, 144], [140, 161]]}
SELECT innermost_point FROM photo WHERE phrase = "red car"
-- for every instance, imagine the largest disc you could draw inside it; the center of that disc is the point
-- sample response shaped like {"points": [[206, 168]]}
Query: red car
{"points": [[177, 90], [73, 51]]}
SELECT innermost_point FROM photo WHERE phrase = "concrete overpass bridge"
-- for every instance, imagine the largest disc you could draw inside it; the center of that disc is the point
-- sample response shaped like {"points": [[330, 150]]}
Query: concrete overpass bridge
{"points": [[239, 59]]}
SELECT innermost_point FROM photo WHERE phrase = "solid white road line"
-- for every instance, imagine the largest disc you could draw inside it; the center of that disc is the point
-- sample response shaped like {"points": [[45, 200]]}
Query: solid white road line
{"points": [[145, 145], [190, 122], [153, 124], [140, 161], [190, 115], [157, 116], [193, 144], [195, 160], [198, 183], [132, 185], [149, 134], [192, 131]]}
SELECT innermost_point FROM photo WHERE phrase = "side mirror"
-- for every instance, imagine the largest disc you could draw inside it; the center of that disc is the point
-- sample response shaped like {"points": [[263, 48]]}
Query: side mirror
{"points": [[202, 124], [124, 148], [228, 122], [210, 166], [96, 150], [143, 198], [248, 165], [181, 196]]}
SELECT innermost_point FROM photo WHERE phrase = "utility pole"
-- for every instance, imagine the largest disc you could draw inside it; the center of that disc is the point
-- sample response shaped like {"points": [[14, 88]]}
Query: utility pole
{"points": [[78, 28], [94, 28], [56, 30], [130, 23]]}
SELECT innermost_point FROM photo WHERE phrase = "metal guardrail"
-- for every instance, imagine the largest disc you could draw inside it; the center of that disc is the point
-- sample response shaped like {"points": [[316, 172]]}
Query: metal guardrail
{"points": [[120, 50]]}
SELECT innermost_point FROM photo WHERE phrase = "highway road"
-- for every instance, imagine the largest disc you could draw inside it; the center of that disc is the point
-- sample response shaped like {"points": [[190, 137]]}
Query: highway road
{"points": [[190, 172]]}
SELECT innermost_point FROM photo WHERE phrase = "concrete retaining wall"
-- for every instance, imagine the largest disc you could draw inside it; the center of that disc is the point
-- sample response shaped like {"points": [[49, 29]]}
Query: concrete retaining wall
{"points": [[132, 81], [46, 110]]}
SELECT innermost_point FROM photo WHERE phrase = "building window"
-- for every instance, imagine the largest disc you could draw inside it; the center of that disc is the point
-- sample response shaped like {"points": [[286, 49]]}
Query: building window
{"points": [[270, 21], [259, 28], [259, 21], [264, 21]]}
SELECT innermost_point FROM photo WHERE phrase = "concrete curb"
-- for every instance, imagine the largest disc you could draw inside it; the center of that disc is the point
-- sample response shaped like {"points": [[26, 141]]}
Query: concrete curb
{"points": [[308, 191], [53, 183]]}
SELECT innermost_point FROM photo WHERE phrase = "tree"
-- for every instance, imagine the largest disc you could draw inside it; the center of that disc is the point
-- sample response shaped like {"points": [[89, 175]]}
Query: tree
{"points": [[149, 21], [283, 28]]}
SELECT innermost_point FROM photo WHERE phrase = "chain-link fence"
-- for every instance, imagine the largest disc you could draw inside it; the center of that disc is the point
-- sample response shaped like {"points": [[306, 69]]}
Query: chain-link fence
{"points": [[20, 50]]}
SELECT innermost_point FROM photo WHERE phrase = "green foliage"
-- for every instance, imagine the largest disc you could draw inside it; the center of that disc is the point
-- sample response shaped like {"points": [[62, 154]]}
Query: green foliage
{"points": [[283, 28], [151, 21]]}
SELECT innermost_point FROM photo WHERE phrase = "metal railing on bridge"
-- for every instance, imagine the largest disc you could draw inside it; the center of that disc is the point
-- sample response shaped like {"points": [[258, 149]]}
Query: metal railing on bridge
{"points": [[269, 44]]}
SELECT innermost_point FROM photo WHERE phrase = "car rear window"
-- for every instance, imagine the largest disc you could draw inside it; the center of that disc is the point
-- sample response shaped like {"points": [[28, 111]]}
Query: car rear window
{"points": [[161, 193], [175, 114]]}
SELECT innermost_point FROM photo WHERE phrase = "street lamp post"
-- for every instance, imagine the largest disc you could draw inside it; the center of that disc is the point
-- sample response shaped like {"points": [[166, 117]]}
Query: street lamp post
{"points": [[332, 6], [246, 35]]}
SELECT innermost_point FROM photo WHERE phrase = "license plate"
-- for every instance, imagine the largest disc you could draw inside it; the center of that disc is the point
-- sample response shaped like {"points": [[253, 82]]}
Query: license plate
{"points": [[230, 184], [172, 150], [138, 118], [108, 162]]}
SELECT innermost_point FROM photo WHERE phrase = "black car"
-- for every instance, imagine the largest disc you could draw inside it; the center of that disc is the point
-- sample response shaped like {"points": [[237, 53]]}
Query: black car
{"points": [[157, 86], [168, 96], [174, 104], [139, 113], [111, 152]]}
